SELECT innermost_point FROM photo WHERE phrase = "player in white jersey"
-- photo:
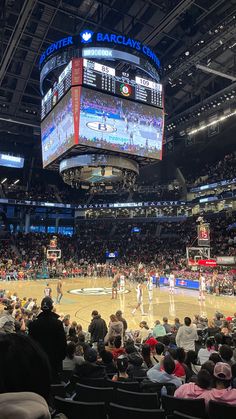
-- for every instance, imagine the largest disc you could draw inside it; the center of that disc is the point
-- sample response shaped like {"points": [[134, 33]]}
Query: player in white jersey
{"points": [[150, 288], [48, 291], [139, 291], [171, 283], [122, 283], [202, 287]]}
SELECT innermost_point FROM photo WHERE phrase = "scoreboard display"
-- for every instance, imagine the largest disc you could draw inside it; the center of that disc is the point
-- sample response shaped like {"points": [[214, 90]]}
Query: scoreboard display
{"points": [[60, 87], [106, 79], [126, 84]]}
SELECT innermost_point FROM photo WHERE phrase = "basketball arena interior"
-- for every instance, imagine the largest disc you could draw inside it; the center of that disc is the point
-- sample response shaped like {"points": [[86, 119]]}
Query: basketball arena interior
{"points": [[117, 209]]}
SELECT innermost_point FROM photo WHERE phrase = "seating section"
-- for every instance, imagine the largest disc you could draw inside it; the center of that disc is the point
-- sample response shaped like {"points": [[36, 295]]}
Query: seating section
{"points": [[221, 410], [117, 412], [133, 399], [187, 406], [76, 410]]}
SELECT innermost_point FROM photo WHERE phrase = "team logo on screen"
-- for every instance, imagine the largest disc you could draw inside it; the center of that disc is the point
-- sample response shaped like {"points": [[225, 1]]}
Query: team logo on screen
{"points": [[86, 36], [101, 127], [95, 291], [125, 89]]}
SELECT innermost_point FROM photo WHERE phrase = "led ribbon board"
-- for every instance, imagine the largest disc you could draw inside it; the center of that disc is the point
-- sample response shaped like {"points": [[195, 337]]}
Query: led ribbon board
{"points": [[100, 38]]}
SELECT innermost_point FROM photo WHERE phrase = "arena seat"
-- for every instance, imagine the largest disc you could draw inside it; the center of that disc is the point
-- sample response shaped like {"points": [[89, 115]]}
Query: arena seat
{"points": [[137, 400], [126, 385], [58, 390], [187, 406], [148, 386], [93, 394], [178, 415], [75, 410], [221, 410], [117, 412], [93, 382]]}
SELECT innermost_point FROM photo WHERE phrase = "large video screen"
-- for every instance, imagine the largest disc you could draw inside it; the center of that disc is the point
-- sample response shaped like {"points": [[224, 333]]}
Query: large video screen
{"points": [[117, 124], [57, 130]]}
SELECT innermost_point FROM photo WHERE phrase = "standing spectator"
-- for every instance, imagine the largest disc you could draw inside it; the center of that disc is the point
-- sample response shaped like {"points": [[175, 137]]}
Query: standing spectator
{"points": [[48, 331], [187, 335], [97, 328], [90, 368], [115, 328], [121, 319]]}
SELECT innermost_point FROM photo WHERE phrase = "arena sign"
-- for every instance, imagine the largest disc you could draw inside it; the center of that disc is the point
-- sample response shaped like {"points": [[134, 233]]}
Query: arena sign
{"points": [[88, 37]]}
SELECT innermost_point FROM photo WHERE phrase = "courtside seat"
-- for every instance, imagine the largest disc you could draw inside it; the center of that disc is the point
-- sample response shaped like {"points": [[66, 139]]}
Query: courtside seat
{"points": [[187, 406], [221, 410], [93, 394], [80, 410], [137, 399], [119, 412]]}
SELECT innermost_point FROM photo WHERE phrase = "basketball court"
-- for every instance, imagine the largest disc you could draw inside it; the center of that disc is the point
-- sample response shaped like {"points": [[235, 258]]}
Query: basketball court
{"points": [[82, 295]]}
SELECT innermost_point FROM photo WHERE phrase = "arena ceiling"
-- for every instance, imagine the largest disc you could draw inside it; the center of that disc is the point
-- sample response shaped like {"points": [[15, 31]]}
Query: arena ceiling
{"points": [[183, 34]]}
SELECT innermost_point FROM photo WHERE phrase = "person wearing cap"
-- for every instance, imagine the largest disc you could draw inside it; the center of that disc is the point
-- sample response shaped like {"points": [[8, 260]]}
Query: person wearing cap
{"points": [[222, 391], [48, 331], [90, 368]]}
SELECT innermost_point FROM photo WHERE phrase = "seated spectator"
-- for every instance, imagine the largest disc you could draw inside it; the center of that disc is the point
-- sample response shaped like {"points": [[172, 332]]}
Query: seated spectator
{"points": [[212, 329], [180, 368], [90, 368], [122, 364], [144, 332], [118, 349], [24, 366], [71, 360], [195, 390], [191, 362], [204, 353], [152, 342], [215, 357], [226, 354], [168, 328], [159, 354], [233, 370], [221, 391], [158, 330], [226, 329], [165, 375], [218, 320], [218, 341], [136, 368], [72, 336], [187, 335], [177, 324], [108, 362], [146, 354]]}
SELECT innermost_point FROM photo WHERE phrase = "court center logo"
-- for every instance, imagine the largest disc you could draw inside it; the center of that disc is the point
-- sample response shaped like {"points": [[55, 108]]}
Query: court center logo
{"points": [[86, 36], [95, 291], [102, 127]]}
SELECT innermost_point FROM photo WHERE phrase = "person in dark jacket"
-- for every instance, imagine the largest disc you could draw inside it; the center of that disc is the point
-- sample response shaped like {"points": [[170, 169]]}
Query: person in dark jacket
{"points": [[97, 327], [90, 368], [48, 331], [136, 368]]}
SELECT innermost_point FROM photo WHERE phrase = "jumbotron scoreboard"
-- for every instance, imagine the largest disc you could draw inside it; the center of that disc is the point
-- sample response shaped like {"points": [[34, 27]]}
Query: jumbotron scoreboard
{"points": [[89, 73]]}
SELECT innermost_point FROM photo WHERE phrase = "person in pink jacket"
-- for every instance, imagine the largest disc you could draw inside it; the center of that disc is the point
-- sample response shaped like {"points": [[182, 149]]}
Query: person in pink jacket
{"points": [[222, 391], [195, 390]]}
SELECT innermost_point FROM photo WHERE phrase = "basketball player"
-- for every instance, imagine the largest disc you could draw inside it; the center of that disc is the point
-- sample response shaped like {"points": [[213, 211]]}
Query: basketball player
{"points": [[150, 288], [59, 291], [114, 288], [139, 290], [122, 283], [202, 287], [171, 284], [48, 291]]}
